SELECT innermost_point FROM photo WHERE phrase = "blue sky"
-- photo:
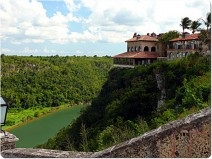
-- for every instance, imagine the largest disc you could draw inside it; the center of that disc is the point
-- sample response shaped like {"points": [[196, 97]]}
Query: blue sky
{"points": [[88, 27]]}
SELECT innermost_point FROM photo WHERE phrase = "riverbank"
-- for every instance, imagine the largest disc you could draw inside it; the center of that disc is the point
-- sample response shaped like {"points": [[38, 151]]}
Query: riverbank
{"points": [[17, 118], [40, 130]]}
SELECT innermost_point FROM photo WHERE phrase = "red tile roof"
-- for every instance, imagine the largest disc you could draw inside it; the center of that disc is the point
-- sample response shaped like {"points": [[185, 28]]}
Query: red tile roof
{"points": [[142, 55], [142, 38], [189, 37]]}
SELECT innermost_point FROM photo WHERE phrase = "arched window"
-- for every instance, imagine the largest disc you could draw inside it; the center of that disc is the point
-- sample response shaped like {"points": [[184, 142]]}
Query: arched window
{"points": [[128, 49], [132, 49], [139, 49], [153, 49], [135, 48], [146, 48]]}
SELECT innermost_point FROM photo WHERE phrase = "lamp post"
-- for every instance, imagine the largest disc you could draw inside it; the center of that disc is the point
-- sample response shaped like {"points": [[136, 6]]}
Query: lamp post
{"points": [[4, 108]]}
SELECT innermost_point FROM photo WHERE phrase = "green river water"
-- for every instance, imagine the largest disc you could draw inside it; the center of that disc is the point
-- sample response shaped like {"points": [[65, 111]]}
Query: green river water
{"points": [[40, 130]]}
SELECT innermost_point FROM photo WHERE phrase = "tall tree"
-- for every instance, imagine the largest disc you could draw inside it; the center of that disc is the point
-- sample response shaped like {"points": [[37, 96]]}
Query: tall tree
{"points": [[195, 26], [185, 23], [208, 21], [205, 35]]}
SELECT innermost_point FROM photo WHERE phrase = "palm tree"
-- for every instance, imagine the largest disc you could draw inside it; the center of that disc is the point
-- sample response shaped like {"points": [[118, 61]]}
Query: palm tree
{"points": [[185, 23], [205, 35], [208, 20], [195, 26]]}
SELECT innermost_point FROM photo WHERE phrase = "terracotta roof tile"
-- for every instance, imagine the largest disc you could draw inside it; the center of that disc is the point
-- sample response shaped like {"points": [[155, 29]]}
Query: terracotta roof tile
{"points": [[142, 38], [137, 55], [189, 37]]}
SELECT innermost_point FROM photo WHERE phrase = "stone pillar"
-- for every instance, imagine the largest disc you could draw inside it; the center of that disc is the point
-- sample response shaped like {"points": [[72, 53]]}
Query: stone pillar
{"points": [[8, 141]]}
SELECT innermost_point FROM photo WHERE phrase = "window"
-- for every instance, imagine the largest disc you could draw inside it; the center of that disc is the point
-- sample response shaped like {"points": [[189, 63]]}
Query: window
{"points": [[128, 49], [148, 61], [146, 48], [153, 49], [139, 49], [171, 55], [132, 49], [135, 48]]}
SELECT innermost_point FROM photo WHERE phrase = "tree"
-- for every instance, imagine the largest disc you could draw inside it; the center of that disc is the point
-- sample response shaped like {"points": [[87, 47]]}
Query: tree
{"points": [[195, 26], [208, 21], [185, 23], [205, 35], [168, 36], [164, 39]]}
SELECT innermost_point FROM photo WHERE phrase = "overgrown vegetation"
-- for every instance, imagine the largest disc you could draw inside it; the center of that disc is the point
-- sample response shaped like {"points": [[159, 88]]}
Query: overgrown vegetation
{"points": [[127, 104], [51, 81], [32, 86]]}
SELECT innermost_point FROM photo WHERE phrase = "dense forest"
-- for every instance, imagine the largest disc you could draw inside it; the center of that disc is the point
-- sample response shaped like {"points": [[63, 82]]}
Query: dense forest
{"points": [[28, 82], [127, 104]]}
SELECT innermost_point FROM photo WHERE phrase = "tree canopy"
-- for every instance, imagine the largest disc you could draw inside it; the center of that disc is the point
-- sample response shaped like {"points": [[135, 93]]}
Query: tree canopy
{"points": [[185, 23], [168, 36], [51, 81]]}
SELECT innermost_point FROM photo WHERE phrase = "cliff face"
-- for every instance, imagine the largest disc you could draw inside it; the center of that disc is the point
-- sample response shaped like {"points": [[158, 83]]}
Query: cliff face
{"points": [[133, 101], [161, 86]]}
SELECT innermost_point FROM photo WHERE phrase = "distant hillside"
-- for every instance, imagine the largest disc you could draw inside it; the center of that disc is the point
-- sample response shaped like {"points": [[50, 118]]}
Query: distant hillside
{"points": [[51, 81], [127, 104]]}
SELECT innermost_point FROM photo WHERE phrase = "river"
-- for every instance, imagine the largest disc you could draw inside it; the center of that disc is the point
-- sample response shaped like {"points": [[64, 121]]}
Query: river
{"points": [[40, 130]]}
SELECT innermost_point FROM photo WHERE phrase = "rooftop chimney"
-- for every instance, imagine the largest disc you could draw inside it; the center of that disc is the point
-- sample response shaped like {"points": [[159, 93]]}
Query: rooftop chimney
{"points": [[134, 35]]}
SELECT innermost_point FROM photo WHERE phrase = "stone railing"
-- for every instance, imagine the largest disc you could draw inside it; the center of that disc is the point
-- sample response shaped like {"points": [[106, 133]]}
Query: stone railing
{"points": [[8, 141], [188, 137]]}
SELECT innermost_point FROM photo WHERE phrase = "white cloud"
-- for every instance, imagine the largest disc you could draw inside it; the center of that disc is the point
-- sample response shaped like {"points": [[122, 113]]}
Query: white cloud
{"points": [[26, 21], [36, 52], [115, 21]]}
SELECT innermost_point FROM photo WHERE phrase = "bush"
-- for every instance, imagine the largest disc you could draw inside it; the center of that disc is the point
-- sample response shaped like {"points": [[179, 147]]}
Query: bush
{"points": [[37, 114]]}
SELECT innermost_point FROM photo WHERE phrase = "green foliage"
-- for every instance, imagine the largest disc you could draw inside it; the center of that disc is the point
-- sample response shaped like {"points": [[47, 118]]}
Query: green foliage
{"points": [[196, 91], [164, 117], [17, 116], [83, 133], [127, 104], [52, 81], [168, 36], [121, 131], [195, 26], [185, 23]]}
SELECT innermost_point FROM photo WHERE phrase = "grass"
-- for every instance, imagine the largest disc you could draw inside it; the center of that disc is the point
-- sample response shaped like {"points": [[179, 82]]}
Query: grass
{"points": [[40, 130], [17, 117]]}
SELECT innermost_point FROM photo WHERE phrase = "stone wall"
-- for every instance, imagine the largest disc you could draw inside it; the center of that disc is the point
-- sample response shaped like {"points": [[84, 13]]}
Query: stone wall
{"points": [[7, 141], [188, 137]]}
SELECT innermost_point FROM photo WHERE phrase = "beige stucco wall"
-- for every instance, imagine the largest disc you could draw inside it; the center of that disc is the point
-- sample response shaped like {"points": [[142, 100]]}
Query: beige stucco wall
{"points": [[142, 44], [159, 46]]}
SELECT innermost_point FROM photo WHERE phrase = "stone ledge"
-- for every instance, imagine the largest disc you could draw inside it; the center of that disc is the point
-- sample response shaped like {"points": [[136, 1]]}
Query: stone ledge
{"points": [[43, 153]]}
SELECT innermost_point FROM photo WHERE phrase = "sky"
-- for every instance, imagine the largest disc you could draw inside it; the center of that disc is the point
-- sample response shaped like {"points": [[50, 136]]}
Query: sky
{"points": [[88, 27]]}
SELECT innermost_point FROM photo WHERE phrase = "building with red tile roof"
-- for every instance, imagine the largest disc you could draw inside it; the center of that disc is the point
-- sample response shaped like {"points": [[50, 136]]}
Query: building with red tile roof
{"points": [[141, 49], [145, 49], [183, 46]]}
